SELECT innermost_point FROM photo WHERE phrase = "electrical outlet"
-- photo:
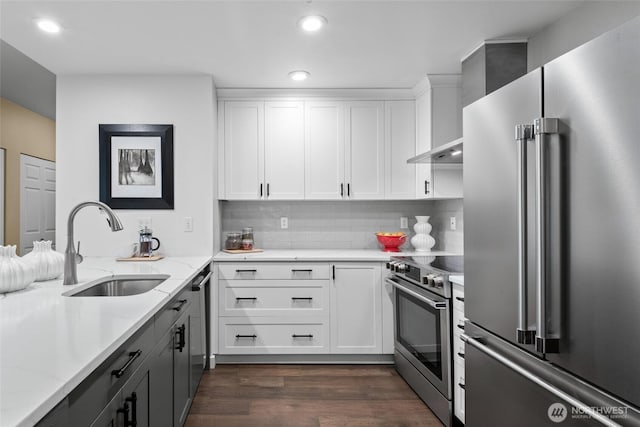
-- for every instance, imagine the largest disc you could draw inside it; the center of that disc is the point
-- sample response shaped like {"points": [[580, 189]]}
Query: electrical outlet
{"points": [[404, 222], [188, 224], [452, 223], [144, 222], [284, 222]]}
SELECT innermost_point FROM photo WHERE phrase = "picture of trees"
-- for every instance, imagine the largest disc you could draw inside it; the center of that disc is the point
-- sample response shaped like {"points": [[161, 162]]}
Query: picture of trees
{"points": [[136, 167]]}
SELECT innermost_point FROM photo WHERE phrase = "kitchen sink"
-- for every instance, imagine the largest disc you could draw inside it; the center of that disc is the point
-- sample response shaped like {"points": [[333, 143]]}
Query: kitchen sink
{"points": [[119, 286]]}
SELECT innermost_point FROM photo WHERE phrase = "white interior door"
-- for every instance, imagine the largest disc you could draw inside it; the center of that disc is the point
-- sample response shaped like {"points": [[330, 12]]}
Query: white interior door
{"points": [[2, 168], [37, 201]]}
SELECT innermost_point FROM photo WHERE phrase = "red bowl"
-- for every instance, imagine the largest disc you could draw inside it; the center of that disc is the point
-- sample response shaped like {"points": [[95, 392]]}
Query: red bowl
{"points": [[391, 243]]}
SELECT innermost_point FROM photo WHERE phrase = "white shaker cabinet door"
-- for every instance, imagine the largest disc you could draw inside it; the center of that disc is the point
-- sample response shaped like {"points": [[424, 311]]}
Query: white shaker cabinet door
{"points": [[324, 154], [243, 150], [284, 150], [364, 157], [356, 309], [400, 144]]}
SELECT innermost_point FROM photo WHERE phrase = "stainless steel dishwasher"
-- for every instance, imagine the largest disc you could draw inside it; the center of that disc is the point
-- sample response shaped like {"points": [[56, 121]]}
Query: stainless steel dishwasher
{"points": [[199, 327]]}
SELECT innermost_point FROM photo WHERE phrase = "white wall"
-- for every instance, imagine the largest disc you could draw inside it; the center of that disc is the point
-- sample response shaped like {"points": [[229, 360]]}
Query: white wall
{"points": [[578, 27], [187, 102]]}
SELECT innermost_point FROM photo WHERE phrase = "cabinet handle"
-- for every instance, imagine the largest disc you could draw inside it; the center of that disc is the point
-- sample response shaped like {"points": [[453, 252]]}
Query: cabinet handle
{"points": [[125, 412], [238, 299], [181, 303], [348, 190], [246, 271], [461, 355], [134, 410], [341, 190], [181, 337], [333, 274], [298, 270], [294, 336], [260, 190], [426, 187], [304, 298], [460, 299], [254, 336], [268, 190], [118, 373], [461, 386], [460, 327]]}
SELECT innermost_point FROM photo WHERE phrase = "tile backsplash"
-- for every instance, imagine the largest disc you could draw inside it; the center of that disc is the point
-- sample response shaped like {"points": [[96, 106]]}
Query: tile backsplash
{"points": [[339, 224]]}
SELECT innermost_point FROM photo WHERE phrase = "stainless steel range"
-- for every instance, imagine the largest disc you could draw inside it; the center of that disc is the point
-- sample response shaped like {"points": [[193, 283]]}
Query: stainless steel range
{"points": [[422, 329]]}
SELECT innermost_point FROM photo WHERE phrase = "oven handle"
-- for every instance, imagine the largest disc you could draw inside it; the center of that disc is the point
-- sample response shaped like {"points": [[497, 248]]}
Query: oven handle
{"points": [[435, 304]]}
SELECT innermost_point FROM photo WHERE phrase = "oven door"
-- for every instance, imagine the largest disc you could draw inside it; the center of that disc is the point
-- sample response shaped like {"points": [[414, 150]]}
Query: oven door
{"points": [[422, 331]]}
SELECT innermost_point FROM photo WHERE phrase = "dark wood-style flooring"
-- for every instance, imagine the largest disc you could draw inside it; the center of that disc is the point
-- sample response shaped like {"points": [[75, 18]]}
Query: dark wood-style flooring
{"points": [[307, 395]]}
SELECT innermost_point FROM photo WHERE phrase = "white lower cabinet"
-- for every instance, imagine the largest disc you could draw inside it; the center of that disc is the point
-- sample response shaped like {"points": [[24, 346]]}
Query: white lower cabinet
{"points": [[356, 309], [458, 352], [267, 308]]}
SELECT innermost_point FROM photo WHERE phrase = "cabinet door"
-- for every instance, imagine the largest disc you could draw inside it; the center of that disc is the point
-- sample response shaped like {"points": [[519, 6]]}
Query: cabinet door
{"points": [[424, 180], [136, 395], [388, 341], [161, 383], [356, 319], [364, 129], [181, 370], [400, 144], [324, 151], [243, 150], [284, 150]]}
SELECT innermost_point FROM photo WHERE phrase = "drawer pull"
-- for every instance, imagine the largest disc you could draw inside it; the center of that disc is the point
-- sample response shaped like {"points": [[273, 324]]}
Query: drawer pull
{"points": [[298, 270], [460, 327], [461, 355], [294, 336], [246, 271], [238, 299], [253, 337], [182, 340], [302, 298], [118, 373], [461, 299], [461, 386], [181, 303]]}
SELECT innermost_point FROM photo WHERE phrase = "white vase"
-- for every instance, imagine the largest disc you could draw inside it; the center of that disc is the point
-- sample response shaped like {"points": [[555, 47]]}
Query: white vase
{"points": [[422, 241], [15, 273], [48, 264]]}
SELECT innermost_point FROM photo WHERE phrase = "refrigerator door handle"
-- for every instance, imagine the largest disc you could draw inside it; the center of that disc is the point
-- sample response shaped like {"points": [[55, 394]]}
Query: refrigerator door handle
{"points": [[524, 335], [542, 128], [584, 408]]}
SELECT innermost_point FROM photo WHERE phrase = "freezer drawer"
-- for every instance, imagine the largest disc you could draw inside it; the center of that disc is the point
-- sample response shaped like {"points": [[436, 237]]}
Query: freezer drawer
{"points": [[496, 394]]}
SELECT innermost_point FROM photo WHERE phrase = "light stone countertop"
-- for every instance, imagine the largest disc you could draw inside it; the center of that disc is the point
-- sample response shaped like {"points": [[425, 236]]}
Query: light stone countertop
{"points": [[459, 279], [321, 255], [50, 343]]}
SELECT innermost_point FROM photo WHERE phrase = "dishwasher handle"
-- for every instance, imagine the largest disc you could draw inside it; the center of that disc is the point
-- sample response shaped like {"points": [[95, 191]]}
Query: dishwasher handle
{"points": [[196, 285]]}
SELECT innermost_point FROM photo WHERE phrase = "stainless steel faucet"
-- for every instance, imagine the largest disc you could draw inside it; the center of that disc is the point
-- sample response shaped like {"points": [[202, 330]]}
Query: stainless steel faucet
{"points": [[71, 257]]}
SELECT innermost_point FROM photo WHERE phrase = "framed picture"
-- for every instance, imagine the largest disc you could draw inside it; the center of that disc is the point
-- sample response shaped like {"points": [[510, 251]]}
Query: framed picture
{"points": [[136, 166]]}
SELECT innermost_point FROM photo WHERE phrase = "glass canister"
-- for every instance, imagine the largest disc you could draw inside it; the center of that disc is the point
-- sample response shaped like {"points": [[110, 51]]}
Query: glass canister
{"points": [[234, 241], [247, 238]]}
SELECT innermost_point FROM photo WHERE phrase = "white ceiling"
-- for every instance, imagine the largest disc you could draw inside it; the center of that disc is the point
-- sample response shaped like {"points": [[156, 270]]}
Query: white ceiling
{"points": [[373, 44]]}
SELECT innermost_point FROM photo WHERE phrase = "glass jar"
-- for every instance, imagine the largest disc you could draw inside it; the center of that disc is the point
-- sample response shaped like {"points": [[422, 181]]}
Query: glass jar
{"points": [[247, 244], [247, 238], [233, 241]]}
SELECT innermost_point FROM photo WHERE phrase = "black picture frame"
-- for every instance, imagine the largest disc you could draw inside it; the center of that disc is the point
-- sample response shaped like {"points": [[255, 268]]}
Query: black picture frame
{"points": [[156, 189]]}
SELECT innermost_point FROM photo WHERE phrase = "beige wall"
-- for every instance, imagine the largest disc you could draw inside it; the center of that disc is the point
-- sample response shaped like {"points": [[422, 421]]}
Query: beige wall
{"points": [[21, 132]]}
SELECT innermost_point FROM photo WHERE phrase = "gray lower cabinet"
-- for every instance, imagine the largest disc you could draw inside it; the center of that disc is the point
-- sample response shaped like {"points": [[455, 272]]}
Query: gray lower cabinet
{"points": [[182, 396]]}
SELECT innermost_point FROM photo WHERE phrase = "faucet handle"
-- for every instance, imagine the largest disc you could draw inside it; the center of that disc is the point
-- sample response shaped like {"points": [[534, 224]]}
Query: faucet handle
{"points": [[79, 258]]}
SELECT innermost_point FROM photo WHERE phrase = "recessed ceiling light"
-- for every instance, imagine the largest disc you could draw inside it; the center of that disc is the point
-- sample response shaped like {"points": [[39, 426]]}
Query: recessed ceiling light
{"points": [[299, 75], [312, 23], [48, 26]]}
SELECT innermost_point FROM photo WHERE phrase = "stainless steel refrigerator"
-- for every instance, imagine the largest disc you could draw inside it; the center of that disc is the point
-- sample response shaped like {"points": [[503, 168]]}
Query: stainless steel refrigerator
{"points": [[552, 242]]}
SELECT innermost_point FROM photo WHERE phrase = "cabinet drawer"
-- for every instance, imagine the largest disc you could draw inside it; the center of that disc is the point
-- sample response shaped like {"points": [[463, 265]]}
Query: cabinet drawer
{"points": [[95, 392], [272, 301], [459, 392], [273, 336], [458, 322], [170, 312], [458, 350], [273, 270], [457, 294]]}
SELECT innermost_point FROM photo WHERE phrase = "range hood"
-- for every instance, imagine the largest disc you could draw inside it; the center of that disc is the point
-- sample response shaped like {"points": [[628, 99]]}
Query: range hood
{"points": [[451, 152]]}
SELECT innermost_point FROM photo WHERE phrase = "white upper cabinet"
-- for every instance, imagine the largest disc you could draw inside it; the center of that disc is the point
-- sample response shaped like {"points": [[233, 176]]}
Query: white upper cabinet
{"points": [[364, 157], [400, 139], [284, 149], [243, 149], [324, 143]]}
